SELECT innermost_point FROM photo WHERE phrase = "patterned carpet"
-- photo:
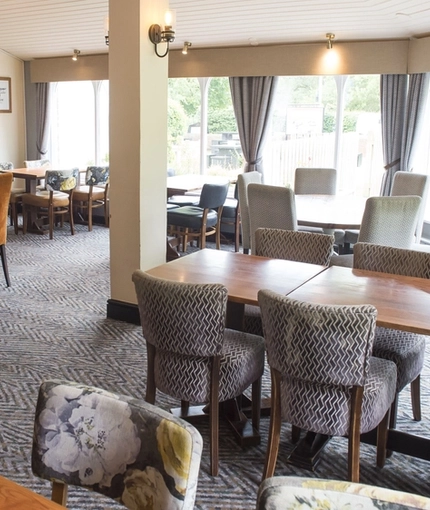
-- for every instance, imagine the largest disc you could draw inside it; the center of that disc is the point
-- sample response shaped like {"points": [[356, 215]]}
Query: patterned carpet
{"points": [[53, 324]]}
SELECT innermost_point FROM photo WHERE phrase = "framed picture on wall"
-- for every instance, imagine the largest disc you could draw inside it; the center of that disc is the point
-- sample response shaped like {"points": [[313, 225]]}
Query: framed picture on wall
{"points": [[5, 96]]}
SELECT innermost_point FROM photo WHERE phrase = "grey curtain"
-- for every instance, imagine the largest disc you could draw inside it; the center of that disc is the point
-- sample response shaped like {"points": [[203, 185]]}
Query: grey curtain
{"points": [[393, 111], [43, 98], [252, 102], [415, 108]]}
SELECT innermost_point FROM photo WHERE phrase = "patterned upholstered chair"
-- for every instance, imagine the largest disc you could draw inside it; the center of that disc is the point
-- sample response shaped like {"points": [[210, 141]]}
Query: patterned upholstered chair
{"points": [[94, 194], [389, 221], [324, 379], [38, 163], [407, 350], [292, 492], [308, 247], [5, 187], [242, 187], [191, 355], [231, 216], [118, 446], [55, 201], [15, 197], [270, 207], [189, 222], [317, 181]]}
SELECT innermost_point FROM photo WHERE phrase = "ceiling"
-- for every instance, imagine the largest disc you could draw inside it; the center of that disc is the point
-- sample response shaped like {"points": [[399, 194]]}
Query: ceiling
{"points": [[47, 28]]}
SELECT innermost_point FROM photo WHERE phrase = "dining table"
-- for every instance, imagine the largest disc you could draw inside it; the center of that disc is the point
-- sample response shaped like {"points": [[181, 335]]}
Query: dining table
{"points": [[31, 176], [14, 496], [181, 184]]}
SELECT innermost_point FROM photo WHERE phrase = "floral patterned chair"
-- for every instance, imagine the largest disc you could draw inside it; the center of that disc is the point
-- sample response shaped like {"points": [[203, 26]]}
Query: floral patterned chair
{"points": [[292, 493], [124, 448]]}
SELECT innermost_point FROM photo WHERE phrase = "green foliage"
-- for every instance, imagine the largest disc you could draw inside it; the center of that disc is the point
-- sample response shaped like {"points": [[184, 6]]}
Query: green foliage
{"points": [[222, 121], [187, 92]]}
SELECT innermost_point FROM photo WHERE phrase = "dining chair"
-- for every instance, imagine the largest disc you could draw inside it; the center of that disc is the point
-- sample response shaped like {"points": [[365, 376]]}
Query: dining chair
{"points": [[191, 355], [5, 188], [189, 222], [15, 197], [270, 207], [56, 201], [243, 180], [389, 221], [318, 181], [324, 378], [230, 216], [405, 349], [116, 445], [294, 492], [38, 163], [308, 247], [404, 183], [93, 194]]}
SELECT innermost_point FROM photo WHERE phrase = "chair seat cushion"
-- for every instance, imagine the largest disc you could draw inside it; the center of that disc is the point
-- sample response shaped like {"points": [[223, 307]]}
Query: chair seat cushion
{"points": [[82, 192], [406, 350], [184, 200], [41, 199], [188, 377], [230, 208], [328, 407], [191, 217]]}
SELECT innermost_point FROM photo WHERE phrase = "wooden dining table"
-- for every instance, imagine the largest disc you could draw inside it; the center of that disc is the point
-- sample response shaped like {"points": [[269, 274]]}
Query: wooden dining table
{"points": [[30, 175], [16, 497], [181, 184]]}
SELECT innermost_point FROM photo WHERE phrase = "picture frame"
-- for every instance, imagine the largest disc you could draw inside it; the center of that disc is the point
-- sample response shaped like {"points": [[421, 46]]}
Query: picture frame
{"points": [[5, 95]]}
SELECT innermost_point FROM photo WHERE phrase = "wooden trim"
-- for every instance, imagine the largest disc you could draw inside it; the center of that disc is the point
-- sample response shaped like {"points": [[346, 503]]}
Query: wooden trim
{"points": [[121, 311]]}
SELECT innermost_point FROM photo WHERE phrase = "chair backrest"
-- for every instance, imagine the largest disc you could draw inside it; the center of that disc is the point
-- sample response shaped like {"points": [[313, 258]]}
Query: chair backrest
{"points": [[390, 221], [5, 188], [122, 447], [97, 175], [386, 259], [6, 165], [213, 195], [271, 207], [242, 185], [62, 180], [185, 318], [317, 344], [38, 163], [315, 181], [308, 247], [408, 183]]}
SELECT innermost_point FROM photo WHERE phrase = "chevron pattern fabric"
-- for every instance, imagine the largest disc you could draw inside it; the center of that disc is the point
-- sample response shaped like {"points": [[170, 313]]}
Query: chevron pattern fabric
{"points": [[121, 447], [321, 352], [315, 181], [312, 248], [406, 349], [242, 187]]}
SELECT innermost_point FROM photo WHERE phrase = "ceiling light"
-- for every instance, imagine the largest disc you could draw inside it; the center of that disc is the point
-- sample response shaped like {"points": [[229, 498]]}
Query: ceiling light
{"points": [[157, 35], [185, 48], [75, 55], [330, 38]]}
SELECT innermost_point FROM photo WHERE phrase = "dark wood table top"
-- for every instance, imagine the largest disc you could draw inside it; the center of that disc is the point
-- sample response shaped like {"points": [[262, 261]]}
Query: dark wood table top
{"points": [[16, 497], [402, 302], [180, 184], [243, 275]]}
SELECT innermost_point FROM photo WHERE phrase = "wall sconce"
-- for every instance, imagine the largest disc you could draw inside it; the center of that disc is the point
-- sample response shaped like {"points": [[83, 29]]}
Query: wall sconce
{"points": [[157, 35], [330, 38], [185, 48], [75, 55], [107, 30]]}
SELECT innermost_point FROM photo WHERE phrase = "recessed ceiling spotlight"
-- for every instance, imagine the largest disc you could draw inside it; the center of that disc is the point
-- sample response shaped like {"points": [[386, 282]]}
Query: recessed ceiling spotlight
{"points": [[253, 41]]}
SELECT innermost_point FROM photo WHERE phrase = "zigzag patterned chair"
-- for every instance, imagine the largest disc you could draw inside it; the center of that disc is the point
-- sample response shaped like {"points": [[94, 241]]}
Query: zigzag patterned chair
{"points": [[324, 379], [312, 248], [118, 446], [406, 349], [191, 355]]}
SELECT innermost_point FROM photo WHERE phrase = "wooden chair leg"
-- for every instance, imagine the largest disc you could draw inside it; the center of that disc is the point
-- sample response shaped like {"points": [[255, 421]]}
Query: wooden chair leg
{"points": [[275, 426], [59, 493], [354, 435], [214, 416], [24, 219], [72, 222], [256, 403], [150, 376], [393, 413], [295, 434], [416, 398], [4, 264], [381, 441], [90, 215]]}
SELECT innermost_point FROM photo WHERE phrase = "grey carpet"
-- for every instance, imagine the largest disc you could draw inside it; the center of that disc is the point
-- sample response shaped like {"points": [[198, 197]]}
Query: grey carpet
{"points": [[53, 324]]}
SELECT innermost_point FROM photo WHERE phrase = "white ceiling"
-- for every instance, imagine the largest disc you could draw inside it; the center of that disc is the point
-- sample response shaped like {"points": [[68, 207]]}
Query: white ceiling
{"points": [[46, 28]]}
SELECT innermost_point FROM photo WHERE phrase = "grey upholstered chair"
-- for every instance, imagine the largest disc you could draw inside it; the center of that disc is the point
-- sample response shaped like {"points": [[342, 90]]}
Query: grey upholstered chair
{"points": [[56, 201], [317, 181], [324, 379], [389, 221], [122, 447], [312, 248], [202, 220], [5, 187], [231, 216], [243, 180], [404, 183], [15, 197], [406, 349], [93, 194], [191, 355], [270, 207]]}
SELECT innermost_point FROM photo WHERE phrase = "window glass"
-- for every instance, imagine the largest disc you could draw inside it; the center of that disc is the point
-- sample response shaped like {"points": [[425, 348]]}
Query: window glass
{"points": [[104, 123]]}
